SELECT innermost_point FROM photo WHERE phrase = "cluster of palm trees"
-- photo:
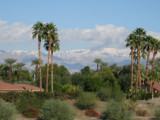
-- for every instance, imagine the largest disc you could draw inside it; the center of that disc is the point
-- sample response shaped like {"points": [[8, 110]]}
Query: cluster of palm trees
{"points": [[100, 64], [17, 67], [142, 45], [47, 32]]}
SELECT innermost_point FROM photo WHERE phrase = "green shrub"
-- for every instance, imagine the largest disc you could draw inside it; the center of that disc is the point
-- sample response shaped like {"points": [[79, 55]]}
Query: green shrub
{"points": [[157, 113], [117, 111], [117, 94], [56, 110], [111, 93], [105, 93], [7, 111], [86, 100]]}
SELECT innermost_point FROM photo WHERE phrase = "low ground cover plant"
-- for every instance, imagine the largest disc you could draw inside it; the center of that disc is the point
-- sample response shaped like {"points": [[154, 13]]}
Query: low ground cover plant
{"points": [[86, 100], [91, 113], [55, 109], [142, 113]]}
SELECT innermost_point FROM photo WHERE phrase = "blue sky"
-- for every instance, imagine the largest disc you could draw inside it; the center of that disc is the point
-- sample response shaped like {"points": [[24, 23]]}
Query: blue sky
{"points": [[77, 16]]}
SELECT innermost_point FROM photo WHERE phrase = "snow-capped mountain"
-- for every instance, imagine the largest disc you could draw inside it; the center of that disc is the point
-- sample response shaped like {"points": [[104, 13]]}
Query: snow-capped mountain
{"points": [[74, 60]]}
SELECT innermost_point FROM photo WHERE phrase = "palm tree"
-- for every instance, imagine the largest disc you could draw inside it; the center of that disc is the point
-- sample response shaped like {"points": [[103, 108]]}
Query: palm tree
{"points": [[4, 71], [19, 66], [140, 36], [54, 47], [50, 33], [130, 42], [38, 29], [10, 62], [156, 47], [149, 48], [98, 61], [36, 63]]}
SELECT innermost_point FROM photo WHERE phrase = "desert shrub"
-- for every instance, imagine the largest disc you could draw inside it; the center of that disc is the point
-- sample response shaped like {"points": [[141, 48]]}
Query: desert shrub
{"points": [[91, 113], [109, 92], [56, 110], [157, 113], [117, 94], [86, 100], [142, 113], [105, 93], [131, 105], [31, 112], [117, 111], [7, 111]]}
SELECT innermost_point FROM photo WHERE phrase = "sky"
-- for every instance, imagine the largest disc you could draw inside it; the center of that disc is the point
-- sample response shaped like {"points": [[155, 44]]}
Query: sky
{"points": [[82, 24]]}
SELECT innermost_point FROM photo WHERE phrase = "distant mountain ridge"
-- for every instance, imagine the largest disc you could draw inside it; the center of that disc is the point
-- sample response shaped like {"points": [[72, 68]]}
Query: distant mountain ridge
{"points": [[74, 60]]}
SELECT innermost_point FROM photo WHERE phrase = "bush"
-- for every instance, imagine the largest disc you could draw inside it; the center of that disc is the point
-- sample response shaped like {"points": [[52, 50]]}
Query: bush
{"points": [[142, 113], [57, 87], [7, 111], [157, 113], [91, 113], [31, 112], [56, 110], [105, 93], [108, 92], [86, 100], [117, 111]]}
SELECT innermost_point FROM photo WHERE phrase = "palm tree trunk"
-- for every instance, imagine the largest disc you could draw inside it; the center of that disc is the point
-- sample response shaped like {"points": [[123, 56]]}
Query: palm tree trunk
{"points": [[52, 70], [97, 66], [154, 55], [148, 55], [39, 49], [132, 70], [36, 71], [138, 63], [50, 39], [137, 80], [10, 74], [20, 74]]}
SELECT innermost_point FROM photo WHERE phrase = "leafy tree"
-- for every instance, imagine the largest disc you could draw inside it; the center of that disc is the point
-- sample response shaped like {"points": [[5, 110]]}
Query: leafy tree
{"points": [[86, 70], [107, 75], [38, 30], [97, 61], [10, 62]]}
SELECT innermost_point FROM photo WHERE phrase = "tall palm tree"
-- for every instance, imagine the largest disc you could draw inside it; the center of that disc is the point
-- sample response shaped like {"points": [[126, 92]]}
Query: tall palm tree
{"points": [[156, 47], [10, 62], [54, 47], [140, 36], [50, 33], [149, 48], [130, 42], [98, 61], [38, 29], [19, 66]]}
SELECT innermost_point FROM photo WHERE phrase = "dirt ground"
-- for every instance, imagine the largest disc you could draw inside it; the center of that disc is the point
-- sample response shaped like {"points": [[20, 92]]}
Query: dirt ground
{"points": [[148, 105]]}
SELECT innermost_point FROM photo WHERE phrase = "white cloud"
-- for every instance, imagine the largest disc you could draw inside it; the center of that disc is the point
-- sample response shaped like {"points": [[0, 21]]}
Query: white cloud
{"points": [[14, 32], [103, 36]]}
